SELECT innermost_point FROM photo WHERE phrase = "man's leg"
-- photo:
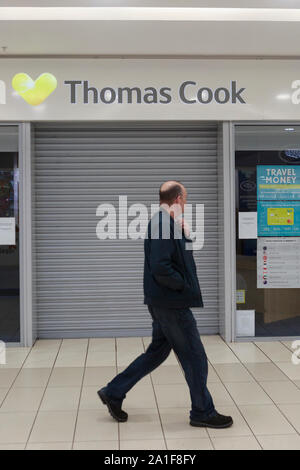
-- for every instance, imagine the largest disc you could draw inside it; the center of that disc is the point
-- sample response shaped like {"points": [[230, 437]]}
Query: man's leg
{"points": [[180, 328], [156, 353]]}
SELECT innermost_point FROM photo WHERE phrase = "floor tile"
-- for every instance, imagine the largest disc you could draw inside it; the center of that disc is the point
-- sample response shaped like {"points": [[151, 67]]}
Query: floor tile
{"points": [[266, 371], [47, 344], [176, 424], [143, 424], [248, 393], [22, 399], [18, 350], [3, 393], [220, 395], [15, 427], [146, 340], [168, 375], [291, 442], [53, 426], [290, 369], [61, 399], [7, 377], [96, 445], [156, 444], [49, 446], [166, 397], [266, 419], [239, 428], [71, 358], [262, 397], [90, 400], [189, 444], [282, 392], [12, 446], [236, 443], [66, 377], [212, 339], [36, 377], [102, 344], [140, 397], [101, 358], [74, 345], [220, 354], [92, 426], [275, 351], [171, 360], [129, 341], [98, 376], [212, 375], [40, 359], [134, 345], [288, 344], [233, 373], [15, 358], [292, 412], [248, 352]]}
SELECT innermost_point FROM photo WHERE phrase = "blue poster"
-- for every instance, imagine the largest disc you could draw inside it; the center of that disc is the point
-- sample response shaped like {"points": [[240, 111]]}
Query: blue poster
{"points": [[278, 182], [278, 218]]}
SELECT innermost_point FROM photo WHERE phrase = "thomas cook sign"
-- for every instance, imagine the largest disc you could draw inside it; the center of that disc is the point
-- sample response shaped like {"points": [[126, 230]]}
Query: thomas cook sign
{"points": [[188, 92], [148, 89]]}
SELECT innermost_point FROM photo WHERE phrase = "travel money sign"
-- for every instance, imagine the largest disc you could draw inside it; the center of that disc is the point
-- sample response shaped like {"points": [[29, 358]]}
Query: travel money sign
{"points": [[278, 200]]}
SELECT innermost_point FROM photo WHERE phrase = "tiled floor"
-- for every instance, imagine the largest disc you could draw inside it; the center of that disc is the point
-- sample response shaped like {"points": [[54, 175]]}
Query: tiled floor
{"points": [[48, 397]]}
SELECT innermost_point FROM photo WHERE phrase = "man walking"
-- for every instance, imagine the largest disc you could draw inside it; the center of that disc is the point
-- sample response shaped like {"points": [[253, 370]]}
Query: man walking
{"points": [[171, 287]]}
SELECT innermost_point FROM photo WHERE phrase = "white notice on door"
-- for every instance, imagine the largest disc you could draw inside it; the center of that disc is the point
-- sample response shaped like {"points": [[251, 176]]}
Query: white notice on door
{"points": [[7, 231], [245, 323], [247, 225]]}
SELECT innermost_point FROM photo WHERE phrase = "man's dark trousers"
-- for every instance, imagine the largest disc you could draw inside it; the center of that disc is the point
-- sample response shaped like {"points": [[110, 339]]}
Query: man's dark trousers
{"points": [[173, 328]]}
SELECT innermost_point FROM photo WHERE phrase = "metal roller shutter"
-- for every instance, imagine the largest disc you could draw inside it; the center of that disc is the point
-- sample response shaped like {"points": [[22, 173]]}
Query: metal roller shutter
{"points": [[88, 287]]}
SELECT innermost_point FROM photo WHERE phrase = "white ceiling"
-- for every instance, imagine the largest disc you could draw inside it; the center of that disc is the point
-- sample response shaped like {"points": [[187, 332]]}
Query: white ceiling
{"points": [[193, 36], [155, 3]]}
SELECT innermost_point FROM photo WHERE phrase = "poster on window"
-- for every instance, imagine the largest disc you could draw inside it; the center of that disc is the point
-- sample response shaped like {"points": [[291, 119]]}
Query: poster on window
{"points": [[278, 262], [278, 218], [278, 182]]}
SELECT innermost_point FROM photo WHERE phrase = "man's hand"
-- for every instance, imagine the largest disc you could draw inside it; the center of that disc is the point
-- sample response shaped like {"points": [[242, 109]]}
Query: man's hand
{"points": [[186, 228]]}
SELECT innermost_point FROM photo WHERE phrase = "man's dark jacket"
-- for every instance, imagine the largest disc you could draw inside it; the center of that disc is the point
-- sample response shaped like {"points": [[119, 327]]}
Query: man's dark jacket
{"points": [[170, 275]]}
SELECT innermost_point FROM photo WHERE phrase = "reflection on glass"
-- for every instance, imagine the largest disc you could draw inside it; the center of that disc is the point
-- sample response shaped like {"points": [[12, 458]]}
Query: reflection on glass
{"points": [[276, 309], [9, 235]]}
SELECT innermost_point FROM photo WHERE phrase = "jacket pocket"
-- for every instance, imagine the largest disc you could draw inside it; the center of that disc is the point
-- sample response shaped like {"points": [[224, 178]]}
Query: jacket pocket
{"points": [[184, 277]]}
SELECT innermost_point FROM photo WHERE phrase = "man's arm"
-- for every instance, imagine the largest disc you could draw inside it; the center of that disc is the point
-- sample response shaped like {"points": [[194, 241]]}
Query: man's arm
{"points": [[161, 264]]}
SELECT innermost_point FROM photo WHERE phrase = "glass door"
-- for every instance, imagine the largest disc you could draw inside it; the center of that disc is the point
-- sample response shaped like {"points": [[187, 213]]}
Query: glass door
{"points": [[267, 203], [9, 235]]}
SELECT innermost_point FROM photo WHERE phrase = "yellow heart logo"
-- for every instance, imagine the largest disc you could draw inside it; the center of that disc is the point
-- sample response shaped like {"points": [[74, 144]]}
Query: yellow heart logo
{"points": [[34, 92]]}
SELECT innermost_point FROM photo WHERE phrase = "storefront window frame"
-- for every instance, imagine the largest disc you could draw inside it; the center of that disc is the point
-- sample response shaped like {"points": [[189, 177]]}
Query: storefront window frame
{"points": [[234, 124]]}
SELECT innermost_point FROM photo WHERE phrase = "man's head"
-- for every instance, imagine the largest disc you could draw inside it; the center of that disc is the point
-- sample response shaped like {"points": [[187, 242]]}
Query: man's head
{"points": [[173, 193]]}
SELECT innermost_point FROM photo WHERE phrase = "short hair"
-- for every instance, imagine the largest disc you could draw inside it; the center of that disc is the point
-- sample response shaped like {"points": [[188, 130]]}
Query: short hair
{"points": [[172, 191]]}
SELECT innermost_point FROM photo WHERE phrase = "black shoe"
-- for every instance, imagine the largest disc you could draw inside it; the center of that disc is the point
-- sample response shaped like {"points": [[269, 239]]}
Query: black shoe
{"points": [[216, 421], [116, 412]]}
